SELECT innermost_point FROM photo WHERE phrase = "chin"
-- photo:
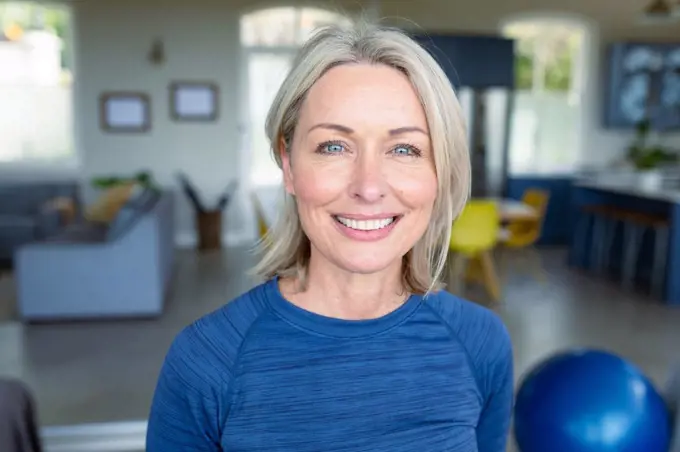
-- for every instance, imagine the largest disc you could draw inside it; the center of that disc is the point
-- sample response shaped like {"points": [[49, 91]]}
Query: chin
{"points": [[367, 263]]}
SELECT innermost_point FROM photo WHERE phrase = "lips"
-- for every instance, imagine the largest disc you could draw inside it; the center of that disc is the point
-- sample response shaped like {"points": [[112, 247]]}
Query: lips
{"points": [[372, 224]]}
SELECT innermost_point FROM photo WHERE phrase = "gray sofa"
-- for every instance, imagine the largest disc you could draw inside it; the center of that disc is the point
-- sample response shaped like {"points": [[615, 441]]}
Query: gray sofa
{"points": [[25, 213], [92, 271]]}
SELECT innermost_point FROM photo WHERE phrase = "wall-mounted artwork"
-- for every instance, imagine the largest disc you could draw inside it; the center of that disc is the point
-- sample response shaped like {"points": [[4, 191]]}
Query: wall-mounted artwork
{"points": [[643, 83], [125, 112], [194, 101]]}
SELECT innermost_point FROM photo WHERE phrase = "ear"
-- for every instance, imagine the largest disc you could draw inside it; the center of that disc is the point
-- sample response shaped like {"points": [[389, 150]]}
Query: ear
{"points": [[285, 165]]}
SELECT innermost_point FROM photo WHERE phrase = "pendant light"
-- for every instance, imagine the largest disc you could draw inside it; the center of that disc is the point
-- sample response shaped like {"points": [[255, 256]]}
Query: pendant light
{"points": [[656, 12]]}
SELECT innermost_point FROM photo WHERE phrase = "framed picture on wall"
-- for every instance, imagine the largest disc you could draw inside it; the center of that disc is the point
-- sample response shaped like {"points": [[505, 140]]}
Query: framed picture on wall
{"points": [[194, 101], [125, 112]]}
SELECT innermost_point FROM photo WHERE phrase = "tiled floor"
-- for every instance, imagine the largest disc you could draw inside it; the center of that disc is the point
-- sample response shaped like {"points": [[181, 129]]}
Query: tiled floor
{"points": [[106, 371]]}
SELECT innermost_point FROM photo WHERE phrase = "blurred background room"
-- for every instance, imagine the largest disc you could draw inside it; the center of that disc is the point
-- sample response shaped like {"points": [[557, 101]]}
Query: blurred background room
{"points": [[573, 111]]}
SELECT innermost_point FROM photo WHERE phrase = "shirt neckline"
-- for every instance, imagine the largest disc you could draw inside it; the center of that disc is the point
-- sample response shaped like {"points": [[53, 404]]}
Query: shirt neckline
{"points": [[332, 326]]}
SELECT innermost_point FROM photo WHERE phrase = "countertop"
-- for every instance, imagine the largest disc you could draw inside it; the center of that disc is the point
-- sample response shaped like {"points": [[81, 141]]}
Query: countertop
{"points": [[662, 186]]}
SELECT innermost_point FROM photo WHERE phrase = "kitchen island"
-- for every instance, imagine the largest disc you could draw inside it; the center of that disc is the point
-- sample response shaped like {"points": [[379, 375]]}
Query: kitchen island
{"points": [[656, 195]]}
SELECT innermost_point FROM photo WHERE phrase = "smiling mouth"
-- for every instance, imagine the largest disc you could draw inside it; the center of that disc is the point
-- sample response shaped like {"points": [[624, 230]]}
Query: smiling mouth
{"points": [[366, 225]]}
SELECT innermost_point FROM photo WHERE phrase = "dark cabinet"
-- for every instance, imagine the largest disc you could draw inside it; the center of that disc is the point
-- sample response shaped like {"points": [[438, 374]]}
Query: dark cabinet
{"points": [[643, 80], [473, 61], [482, 71]]}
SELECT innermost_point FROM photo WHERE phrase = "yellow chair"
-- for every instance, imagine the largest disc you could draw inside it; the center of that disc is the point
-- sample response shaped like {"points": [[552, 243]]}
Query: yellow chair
{"points": [[522, 234], [526, 232], [473, 238], [262, 226]]}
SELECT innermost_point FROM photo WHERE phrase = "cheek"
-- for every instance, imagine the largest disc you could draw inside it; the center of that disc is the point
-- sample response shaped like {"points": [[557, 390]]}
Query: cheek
{"points": [[417, 189], [318, 186]]}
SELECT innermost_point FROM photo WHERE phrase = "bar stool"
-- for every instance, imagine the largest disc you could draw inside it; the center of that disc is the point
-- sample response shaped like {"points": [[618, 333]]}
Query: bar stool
{"points": [[599, 215], [614, 218], [635, 226]]}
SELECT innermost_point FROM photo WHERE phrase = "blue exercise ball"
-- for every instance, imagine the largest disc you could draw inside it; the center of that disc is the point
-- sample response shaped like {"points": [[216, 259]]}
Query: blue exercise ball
{"points": [[589, 401]]}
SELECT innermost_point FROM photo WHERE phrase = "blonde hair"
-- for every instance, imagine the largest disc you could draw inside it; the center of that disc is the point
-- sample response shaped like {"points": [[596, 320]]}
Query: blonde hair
{"points": [[286, 248]]}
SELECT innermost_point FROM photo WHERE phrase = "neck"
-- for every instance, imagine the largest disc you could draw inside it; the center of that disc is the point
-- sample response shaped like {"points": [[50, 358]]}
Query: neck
{"points": [[333, 292]]}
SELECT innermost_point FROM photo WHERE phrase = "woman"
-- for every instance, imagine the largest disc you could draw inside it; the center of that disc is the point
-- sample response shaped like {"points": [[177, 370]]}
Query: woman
{"points": [[350, 344]]}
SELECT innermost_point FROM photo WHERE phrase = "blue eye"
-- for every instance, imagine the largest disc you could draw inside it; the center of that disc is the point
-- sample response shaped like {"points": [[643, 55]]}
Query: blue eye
{"points": [[331, 148], [405, 150]]}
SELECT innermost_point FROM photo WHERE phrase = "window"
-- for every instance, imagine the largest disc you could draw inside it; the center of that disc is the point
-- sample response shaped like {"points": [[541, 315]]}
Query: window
{"points": [[36, 79], [546, 121], [270, 39]]}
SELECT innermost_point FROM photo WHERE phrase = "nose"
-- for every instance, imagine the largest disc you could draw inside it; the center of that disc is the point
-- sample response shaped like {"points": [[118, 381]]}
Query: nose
{"points": [[368, 178]]}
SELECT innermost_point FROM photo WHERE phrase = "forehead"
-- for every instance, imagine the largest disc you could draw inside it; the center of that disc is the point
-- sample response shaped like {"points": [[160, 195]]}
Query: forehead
{"points": [[364, 94]]}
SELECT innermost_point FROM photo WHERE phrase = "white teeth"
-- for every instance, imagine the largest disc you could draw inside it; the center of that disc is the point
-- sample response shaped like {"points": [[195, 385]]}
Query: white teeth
{"points": [[365, 225]]}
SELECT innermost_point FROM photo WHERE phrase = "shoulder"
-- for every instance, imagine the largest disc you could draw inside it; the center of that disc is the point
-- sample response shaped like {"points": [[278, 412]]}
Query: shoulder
{"points": [[192, 395], [474, 324], [208, 348], [480, 331]]}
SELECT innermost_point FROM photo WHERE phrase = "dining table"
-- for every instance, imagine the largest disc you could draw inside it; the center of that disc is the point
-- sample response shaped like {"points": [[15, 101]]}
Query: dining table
{"points": [[510, 210], [514, 210]]}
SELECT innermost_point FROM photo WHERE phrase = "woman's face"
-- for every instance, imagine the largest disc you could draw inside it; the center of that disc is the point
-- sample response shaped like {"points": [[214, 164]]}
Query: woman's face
{"points": [[361, 168]]}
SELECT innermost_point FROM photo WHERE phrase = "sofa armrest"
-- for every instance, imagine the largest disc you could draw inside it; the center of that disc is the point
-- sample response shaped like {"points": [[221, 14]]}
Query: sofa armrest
{"points": [[69, 280], [53, 215], [44, 263], [48, 222]]}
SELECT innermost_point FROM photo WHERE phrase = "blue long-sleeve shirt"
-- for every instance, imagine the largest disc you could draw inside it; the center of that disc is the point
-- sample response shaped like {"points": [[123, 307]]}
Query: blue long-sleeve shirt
{"points": [[261, 374]]}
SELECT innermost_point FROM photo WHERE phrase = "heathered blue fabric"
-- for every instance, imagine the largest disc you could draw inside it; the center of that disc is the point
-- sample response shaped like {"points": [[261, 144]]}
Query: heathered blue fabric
{"points": [[261, 374]]}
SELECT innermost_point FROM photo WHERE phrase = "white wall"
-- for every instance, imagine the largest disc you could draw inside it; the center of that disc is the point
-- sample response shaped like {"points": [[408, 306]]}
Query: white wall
{"points": [[202, 41], [113, 39]]}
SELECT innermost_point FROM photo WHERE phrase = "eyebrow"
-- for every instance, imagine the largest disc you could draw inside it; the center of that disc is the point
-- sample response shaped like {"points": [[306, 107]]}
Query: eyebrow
{"points": [[349, 131]]}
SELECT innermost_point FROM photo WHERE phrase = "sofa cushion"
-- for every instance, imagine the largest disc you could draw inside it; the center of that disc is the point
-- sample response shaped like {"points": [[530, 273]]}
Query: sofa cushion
{"points": [[27, 198], [143, 198], [139, 203], [88, 232], [16, 229], [17, 200], [16, 221], [107, 206], [23, 216]]}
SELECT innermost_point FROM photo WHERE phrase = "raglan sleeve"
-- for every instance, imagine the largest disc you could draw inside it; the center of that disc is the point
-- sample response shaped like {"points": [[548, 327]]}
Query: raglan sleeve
{"points": [[496, 377], [186, 407]]}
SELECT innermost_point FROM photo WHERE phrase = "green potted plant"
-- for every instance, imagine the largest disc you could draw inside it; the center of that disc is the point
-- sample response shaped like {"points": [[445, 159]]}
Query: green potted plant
{"points": [[645, 156], [144, 178]]}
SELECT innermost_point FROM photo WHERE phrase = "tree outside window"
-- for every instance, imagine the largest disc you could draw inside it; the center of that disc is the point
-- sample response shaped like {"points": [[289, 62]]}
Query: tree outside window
{"points": [[36, 112], [548, 75]]}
